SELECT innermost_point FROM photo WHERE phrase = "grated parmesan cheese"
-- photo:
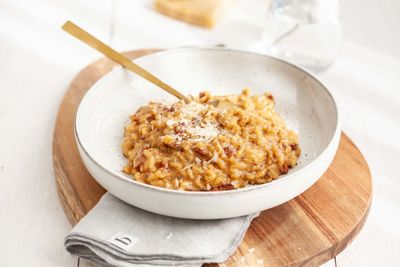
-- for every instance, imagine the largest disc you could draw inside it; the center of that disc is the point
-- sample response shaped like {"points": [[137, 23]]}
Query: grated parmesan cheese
{"points": [[191, 124], [192, 109], [170, 122], [205, 133]]}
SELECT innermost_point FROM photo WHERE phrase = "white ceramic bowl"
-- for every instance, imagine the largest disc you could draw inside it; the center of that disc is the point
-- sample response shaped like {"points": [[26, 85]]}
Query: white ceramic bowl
{"points": [[305, 103]]}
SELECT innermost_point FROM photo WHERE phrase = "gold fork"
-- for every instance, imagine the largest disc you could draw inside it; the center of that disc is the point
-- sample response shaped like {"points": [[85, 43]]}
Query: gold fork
{"points": [[92, 41]]}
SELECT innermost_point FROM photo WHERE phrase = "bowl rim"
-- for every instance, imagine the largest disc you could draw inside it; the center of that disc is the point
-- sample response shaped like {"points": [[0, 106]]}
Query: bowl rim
{"points": [[275, 182]]}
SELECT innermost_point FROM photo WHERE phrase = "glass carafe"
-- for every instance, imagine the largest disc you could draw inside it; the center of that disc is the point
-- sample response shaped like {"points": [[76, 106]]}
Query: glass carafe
{"points": [[305, 32]]}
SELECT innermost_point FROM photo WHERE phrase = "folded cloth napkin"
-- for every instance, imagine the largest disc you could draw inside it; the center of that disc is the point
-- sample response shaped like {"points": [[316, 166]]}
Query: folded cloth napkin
{"points": [[116, 234]]}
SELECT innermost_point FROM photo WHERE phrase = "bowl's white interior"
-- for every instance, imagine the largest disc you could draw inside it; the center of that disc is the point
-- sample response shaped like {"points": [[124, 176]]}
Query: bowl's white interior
{"points": [[301, 100]]}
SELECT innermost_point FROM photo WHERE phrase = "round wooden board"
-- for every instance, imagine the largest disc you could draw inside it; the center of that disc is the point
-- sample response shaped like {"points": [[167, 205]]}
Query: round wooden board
{"points": [[306, 231]]}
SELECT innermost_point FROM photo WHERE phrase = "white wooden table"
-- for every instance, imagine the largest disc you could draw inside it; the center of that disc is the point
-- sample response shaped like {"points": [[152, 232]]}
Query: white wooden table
{"points": [[38, 61]]}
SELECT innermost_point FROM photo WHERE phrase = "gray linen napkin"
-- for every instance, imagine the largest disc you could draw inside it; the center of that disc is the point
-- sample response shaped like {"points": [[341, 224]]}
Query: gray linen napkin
{"points": [[116, 234]]}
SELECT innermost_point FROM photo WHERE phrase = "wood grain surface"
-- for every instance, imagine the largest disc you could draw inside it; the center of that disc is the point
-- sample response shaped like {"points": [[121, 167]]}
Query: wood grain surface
{"points": [[306, 231]]}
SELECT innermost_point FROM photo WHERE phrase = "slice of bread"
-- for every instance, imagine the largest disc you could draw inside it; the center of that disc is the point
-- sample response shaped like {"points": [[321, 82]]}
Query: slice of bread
{"points": [[203, 13]]}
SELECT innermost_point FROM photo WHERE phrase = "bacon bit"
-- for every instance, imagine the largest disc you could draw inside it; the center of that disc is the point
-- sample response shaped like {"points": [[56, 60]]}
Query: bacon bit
{"points": [[201, 151], [285, 168], [294, 146], [150, 117], [270, 97], [204, 96], [162, 164], [223, 187], [176, 145], [172, 109], [229, 151]]}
